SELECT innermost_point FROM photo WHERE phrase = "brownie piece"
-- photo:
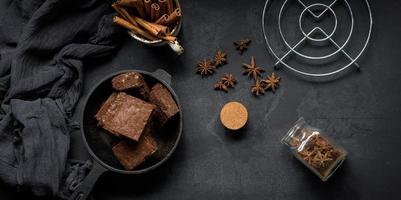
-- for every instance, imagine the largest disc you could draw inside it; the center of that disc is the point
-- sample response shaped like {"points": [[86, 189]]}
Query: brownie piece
{"points": [[167, 107], [132, 83], [106, 107], [125, 115], [131, 154]]}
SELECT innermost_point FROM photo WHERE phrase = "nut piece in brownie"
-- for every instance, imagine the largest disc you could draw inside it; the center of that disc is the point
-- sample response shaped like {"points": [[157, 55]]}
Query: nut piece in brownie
{"points": [[131, 154], [125, 115], [167, 107], [132, 83]]}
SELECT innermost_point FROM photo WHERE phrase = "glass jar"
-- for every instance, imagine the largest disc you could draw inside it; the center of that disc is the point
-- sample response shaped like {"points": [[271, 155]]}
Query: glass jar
{"points": [[314, 149]]}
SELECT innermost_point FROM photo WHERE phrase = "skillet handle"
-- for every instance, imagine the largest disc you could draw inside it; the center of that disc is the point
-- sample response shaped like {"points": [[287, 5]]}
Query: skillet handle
{"points": [[163, 75], [176, 47], [84, 189]]}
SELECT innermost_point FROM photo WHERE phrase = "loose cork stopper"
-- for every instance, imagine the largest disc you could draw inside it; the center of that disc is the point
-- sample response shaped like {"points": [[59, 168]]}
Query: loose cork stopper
{"points": [[233, 116]]}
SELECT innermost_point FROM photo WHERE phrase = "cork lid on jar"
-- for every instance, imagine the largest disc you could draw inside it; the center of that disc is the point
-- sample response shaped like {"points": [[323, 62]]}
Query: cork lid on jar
{"points": [[233, 116]]}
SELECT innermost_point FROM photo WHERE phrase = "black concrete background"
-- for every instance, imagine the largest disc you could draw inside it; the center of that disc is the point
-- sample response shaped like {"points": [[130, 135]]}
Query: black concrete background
{"points": [[360, 111]]}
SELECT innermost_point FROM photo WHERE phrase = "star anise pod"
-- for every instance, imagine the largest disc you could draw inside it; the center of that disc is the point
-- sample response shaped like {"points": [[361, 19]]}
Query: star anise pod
{"points": [[258, 89], [321, 142], [320, 160], [252, 70], [229, 80], [307, 155], [242, 45], [334, 153], [271, 82], [205, 67], [220, 58], [220, 86]]}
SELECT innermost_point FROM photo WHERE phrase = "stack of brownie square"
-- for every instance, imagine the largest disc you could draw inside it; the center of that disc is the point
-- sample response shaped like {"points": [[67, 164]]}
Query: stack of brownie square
{"points": [[131, 113]]}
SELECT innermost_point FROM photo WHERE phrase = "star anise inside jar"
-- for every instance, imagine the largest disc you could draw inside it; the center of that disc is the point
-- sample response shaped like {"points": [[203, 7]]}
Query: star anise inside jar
{"points": [[318, 153]]}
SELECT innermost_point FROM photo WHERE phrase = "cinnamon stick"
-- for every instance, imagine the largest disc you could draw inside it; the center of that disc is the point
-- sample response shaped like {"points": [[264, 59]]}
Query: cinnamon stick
{"points": [[120, 21], [170, 6], [164, 29], [174, 16], [140, 8], [154, 12], [137, 4], [154, 29], [127, 3], [162, 20], [169, 38], [124, 14], [147, 4], [163, 6]]}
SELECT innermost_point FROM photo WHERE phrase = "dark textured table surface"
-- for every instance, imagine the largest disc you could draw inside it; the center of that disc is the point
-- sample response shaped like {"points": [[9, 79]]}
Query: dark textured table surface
{"points": [[360, 111]]}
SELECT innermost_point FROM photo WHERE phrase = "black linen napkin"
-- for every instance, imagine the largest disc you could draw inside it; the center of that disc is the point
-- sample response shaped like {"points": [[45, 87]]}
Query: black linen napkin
{"points": [[43, 47]]}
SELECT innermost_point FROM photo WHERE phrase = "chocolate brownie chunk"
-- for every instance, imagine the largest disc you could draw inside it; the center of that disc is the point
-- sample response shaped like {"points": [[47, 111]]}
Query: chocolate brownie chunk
{"points": [[125, 115], [167, 107], [131, 154], [132, 83], [107, 106]]}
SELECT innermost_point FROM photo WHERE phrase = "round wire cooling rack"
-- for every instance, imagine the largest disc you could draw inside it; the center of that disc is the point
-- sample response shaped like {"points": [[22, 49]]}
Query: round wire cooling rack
{"points": [[307, 37]]}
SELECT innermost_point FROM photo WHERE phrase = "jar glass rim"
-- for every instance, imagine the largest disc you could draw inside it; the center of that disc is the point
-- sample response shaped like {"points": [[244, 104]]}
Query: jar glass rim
{"points": [[290, 133]]}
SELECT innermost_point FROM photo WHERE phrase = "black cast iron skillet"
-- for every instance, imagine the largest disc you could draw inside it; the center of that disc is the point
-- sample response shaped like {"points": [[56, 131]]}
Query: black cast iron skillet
{"points": [[99, 143]]}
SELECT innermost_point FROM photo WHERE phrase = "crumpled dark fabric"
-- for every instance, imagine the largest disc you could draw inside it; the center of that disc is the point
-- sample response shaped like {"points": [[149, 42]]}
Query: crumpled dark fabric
{"points": [[44, 45]]}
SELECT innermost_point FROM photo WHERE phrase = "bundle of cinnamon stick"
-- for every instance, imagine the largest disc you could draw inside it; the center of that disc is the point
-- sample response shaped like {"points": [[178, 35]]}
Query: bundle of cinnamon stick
{"points": [[150, 19]]}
